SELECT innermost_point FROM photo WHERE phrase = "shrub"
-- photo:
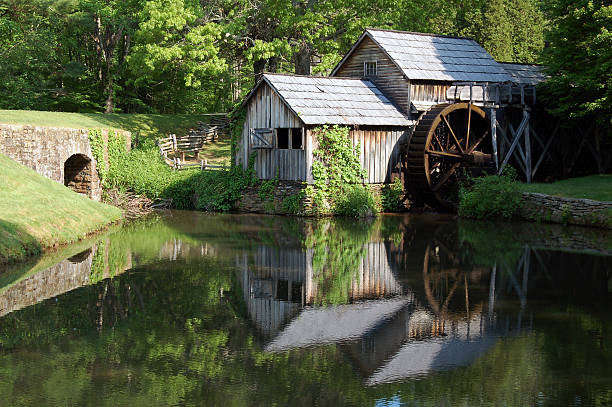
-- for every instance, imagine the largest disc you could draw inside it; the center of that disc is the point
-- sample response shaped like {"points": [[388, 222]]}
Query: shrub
{"points": [[266, 189], [391, 196], [490, 196], [292, 203], [143, 171], [355, 201], [337, 175], [219, 190]]}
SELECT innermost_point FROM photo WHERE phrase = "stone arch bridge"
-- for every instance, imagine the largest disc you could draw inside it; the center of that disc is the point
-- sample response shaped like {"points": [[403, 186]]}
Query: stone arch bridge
{"points": [[61, 154]]}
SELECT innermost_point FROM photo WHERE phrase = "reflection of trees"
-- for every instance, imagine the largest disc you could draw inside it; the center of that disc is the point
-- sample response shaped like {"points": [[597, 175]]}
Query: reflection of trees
{"points": [[175, 332]]}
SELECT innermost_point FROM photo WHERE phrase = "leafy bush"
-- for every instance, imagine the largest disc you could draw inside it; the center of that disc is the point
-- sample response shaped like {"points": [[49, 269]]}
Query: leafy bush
{"points": [[266, 189], [391, 195], [337, 175], [292, 203], [490, 196], [219, 190], [355, 201], [144, 172]]}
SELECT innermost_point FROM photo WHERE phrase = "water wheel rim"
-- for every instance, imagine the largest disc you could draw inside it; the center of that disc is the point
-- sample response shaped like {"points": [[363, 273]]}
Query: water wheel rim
{"points": [[420, 165]]}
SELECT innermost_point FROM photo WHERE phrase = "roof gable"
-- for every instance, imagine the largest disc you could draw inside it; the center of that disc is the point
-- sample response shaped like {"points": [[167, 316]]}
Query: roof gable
{"points": [[432, 57], [325, 100]]}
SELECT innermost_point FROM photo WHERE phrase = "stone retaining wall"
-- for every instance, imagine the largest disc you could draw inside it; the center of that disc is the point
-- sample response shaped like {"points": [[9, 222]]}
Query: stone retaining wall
{"points": [[572, 211], [252, 202], [46, 150]]}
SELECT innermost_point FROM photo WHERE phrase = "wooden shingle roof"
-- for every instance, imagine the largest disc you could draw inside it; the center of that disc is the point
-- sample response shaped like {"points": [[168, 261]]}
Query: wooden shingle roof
{"points": [[345, 101], [434, 57], [525, 74]]}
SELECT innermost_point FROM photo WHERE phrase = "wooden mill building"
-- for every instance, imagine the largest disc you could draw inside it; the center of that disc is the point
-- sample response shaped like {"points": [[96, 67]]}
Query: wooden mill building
{"points": [[380, 89]]}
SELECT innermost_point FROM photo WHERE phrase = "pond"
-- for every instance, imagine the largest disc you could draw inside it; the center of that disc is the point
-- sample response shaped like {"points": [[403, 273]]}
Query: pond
{"points": [[187, 308]]}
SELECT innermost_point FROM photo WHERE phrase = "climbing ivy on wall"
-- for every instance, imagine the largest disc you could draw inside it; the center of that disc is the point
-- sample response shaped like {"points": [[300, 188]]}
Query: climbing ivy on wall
{"points": [[117, 152], [336, 171], [96, 141]]}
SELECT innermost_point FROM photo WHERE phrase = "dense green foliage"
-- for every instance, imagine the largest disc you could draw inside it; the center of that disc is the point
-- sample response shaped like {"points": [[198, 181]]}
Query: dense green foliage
{"points": [[182, 56], [337, 175], [37, 213], [579, 60], [391, 196], [355, 201], [490, 196], [144, 172]]}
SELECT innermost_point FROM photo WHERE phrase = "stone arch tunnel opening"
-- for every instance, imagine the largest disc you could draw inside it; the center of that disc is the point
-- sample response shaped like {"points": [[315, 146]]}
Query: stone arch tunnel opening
{"points": [[78, 174]]}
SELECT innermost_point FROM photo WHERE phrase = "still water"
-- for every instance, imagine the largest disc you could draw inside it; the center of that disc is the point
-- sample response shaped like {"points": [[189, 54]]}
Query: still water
{"points": [[185, 308]]}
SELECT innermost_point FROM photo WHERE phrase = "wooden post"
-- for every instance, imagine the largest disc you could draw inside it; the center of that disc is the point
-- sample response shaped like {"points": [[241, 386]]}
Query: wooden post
{"points": [[174, 142], [527, 146], [493, 115], [202, 165], [205, 163]]}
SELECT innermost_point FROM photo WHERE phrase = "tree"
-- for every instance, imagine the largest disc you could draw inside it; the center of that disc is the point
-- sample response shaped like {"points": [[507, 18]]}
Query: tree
{"points": [[177, 50], [510, 30], [579, 60]]}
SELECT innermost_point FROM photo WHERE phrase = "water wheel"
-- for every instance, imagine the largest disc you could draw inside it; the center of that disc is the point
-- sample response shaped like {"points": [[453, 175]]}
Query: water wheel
{"points": [[449, 142]]}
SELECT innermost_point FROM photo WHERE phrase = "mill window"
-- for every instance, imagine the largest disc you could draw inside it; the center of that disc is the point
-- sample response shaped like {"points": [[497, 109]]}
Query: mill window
{"points": [[289, 139], [369, 68]]}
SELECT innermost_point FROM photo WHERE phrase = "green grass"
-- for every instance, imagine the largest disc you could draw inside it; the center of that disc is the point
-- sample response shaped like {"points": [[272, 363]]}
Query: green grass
{"points": [[147, 125], [596, 187], [36, 213]]}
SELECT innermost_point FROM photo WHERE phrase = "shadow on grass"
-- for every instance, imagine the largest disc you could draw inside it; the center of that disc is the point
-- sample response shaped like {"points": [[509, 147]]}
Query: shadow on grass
{"points": [[149, 125], [16, 244]]}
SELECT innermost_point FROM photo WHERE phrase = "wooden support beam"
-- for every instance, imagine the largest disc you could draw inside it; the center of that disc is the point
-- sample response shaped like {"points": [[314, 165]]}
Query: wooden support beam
{"points": [[541, 159], [517, 137], [527, 149], [493, 114]]}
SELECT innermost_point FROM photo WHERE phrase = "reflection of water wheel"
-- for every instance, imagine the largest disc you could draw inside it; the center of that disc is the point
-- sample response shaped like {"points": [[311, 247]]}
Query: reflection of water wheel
{"points": [[448, 143], [442, 275]]}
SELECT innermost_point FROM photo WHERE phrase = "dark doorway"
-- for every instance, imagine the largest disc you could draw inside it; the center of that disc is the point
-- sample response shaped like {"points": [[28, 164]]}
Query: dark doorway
{"points": [[77, 174]]}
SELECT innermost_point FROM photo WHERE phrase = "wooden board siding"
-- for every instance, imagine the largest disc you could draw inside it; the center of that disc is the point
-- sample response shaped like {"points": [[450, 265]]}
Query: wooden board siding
{"points": [[421, 91], [265, 109], [390, 80], [379, 152]]}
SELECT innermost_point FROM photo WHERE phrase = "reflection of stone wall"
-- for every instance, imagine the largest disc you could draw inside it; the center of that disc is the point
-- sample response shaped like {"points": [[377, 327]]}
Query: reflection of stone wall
{"points": [[69, 274], [46, 149], [546, 208], [64, 276]]}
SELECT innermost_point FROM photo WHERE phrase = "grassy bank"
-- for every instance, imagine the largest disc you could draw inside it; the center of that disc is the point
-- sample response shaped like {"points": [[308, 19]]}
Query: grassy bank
{"points": [[147, 125], [595, 187], [492, 197], [36, 212]]}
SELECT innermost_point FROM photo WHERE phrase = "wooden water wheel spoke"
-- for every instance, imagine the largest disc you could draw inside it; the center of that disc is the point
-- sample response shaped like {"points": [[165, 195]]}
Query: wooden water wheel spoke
{"points": [[446, 177], [450, 129], [447, 155], [472, 148], [439, 142]]}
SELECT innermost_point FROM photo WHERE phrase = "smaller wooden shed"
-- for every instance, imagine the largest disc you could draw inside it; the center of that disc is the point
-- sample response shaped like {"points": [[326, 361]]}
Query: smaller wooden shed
{"points": [[282, 110]]}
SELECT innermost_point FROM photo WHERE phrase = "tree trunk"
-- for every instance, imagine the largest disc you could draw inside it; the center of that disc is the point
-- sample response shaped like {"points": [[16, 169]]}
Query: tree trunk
{"points": [[109, 105], [302, 60]]}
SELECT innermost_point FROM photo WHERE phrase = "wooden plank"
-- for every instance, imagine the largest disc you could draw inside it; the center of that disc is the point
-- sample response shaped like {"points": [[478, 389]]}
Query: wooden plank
{"points": [[377, 160], [372, 154]]}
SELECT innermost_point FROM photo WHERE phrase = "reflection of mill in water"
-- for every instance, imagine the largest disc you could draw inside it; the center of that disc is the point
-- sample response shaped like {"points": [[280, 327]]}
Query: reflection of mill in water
{"points": [[389, 328]]}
